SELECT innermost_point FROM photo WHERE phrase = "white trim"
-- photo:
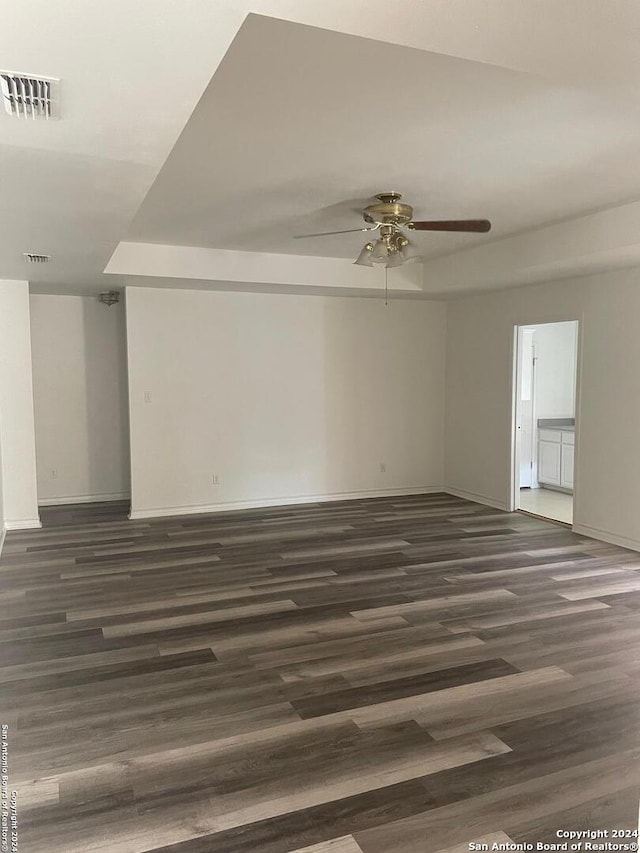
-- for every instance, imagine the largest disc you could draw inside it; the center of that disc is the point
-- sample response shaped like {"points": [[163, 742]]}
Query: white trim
{"points": [[514, 473], [480, 499], [23, 524], [159, 512], [606, 536], [3, 533], [83, 499], [514, 452]]}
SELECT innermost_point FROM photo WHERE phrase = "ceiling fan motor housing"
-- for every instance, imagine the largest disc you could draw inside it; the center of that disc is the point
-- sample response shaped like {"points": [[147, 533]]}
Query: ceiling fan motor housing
{"points": [[389, 210]]}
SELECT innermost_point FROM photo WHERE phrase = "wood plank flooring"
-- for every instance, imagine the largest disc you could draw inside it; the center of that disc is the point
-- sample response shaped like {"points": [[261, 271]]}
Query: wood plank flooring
{"points": [[397, 675]]}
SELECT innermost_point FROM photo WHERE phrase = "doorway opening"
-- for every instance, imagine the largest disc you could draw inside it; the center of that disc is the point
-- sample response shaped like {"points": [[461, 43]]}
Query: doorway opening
{"points": [[79, 367], [545, 417]]}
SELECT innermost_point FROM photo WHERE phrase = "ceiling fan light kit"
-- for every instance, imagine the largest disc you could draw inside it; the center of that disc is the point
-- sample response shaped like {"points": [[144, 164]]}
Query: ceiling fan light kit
{"points": [[395, 260], [364, 258], [389, 216]]}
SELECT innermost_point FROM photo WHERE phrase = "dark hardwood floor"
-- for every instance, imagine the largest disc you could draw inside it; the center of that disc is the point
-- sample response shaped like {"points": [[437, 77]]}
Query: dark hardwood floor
{"points": [[398, 675]]}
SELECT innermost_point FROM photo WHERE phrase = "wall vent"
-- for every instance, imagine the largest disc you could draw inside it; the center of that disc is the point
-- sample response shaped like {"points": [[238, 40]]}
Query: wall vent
{"points": [[25, 96], [31, 258]]}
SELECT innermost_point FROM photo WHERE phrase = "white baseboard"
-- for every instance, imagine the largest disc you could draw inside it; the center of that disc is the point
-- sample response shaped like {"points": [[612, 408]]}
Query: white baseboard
{"points": [[3, 533], [83, 499], [606, 536], [291, 500], [23, 524], [479, 499]]}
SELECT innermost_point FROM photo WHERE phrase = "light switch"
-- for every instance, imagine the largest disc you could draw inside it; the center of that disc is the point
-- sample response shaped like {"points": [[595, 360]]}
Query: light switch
{"points": [[147, 396]]}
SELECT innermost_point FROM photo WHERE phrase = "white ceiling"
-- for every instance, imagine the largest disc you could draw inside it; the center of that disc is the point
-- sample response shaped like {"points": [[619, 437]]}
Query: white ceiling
{"points": [[526, 113], [300, 126]]}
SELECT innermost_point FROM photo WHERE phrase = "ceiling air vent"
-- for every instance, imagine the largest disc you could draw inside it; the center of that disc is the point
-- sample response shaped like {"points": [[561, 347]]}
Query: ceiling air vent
{"points": [[30, 258], [25, 96]]}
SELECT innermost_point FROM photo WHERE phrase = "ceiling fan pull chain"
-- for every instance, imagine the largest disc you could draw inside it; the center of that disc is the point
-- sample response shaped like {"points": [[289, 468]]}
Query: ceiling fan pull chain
{"points": [[386, 287]]}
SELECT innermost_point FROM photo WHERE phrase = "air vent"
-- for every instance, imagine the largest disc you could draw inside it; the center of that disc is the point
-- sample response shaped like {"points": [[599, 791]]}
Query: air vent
{"points": [[29, 97], [30, 258]]}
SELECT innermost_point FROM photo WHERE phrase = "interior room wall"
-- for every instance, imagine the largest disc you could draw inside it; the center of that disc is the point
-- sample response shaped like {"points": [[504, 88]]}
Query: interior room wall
{"points": [[3, 529], [20, 504], [480, 339], [281, 398], [556, 350], [79, 381]]}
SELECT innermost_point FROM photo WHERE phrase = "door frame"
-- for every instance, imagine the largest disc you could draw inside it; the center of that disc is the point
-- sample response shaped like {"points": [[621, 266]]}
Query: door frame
{"points": [[518, 409], [514, 456]]}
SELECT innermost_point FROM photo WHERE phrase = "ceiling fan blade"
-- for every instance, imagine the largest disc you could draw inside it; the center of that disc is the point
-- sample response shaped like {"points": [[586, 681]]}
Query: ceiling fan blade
{"points": [[479, 225], [328, 233]]}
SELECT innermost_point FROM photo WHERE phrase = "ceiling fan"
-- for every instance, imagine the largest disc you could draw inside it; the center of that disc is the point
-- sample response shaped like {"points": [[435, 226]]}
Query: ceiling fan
{"points": [[389, 216]]}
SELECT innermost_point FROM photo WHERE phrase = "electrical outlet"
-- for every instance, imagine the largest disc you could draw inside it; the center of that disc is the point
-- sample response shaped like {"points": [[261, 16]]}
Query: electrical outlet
{"points": [[54, 473], [215, 479], [383, 467]]}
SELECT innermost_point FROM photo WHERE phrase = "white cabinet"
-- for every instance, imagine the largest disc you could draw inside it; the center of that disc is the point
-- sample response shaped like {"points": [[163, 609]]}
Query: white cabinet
{"points": [[566, 466], [555, 458], [549, 462]]}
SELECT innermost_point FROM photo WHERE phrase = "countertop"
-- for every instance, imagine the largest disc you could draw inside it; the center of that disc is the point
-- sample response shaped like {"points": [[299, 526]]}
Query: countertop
{"points": [[564, 424]]}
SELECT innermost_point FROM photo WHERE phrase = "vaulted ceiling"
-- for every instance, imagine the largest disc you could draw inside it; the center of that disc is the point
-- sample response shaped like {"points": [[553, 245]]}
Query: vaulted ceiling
{"points": [[194, 143]]}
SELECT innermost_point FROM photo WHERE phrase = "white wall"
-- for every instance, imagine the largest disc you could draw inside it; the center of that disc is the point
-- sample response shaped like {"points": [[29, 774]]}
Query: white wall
{"points": [[480, 332], [20, 504], [556, 346], [79, 381], [3, 529], [283, 397]]}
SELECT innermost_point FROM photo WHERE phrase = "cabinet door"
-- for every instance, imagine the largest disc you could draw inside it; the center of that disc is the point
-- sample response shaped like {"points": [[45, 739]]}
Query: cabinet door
{"points": [[549, 455], [566, 473]]}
